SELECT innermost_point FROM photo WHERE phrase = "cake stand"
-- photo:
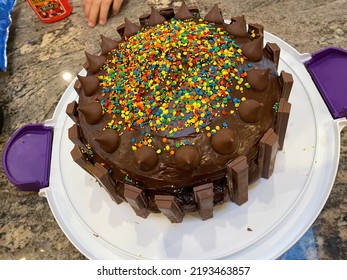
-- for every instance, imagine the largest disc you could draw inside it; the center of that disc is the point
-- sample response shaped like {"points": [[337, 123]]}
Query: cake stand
{"points": [[279, 210]]}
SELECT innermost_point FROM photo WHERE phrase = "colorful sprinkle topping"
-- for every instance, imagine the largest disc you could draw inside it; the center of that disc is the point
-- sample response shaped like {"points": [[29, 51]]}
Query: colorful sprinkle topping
{"points": [[173, 76]]}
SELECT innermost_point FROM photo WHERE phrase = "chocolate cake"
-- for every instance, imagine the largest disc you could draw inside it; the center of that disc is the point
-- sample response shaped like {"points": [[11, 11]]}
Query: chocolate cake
{"points": [[182, 113]]}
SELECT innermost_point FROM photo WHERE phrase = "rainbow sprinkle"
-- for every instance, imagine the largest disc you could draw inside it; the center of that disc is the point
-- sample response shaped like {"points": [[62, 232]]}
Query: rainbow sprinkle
{"points": [[172, 76]]}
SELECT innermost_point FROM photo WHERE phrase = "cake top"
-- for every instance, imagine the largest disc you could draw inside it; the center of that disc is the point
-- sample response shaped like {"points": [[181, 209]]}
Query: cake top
{"points": [[179, 95]]}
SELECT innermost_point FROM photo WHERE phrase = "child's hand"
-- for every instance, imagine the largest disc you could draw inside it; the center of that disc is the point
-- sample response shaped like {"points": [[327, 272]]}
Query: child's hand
{"points": [[95, 10]]}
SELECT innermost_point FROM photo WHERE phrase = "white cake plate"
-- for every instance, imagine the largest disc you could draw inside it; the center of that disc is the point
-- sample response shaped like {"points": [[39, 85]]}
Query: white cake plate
{"points": [[278, 213]]}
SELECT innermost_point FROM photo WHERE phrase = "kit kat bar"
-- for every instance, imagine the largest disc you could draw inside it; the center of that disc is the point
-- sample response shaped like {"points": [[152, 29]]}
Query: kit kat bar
{"points": [[256, 29], [81, 159], [273, 51], [105, 181], [282, 121], [120, 29], [167, 204], [286, 82], [77, 86], [237, 176], [204, 198], [137, 199], [75, 136], [167, 13], [268, 148], [71, 111]]}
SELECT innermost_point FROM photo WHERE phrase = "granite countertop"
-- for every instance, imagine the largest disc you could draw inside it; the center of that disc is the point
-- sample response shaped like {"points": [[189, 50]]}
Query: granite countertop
{"points": [[41, 57]]}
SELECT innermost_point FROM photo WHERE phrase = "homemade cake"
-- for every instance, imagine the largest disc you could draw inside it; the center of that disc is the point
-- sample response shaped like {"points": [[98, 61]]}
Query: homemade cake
{"points": [[182, 113]]}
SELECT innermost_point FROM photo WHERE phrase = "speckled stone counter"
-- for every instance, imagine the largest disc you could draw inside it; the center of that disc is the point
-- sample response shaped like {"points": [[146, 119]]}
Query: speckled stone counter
{"points": [[39, 58]]}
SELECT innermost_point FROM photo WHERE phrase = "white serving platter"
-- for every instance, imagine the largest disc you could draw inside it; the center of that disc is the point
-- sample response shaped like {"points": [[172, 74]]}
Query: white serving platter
{"points": [[277, 214]]}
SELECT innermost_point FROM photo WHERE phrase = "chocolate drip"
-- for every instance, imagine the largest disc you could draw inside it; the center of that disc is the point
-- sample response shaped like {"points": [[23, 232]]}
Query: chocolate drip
{"points": [[254, 49], [108, 140], [107, 44], [215, 15], [92, 112], [258, 78], [187, 158], [145, 158], [225, 141], [183, 12], [251, 111], [155, 18], [89, 84], [130, 28], [237, 27], [95, 62]]}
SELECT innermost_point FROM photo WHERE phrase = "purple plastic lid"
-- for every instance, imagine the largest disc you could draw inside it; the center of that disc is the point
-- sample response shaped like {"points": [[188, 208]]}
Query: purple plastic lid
{"points": [[328, 69], [27, 155]]}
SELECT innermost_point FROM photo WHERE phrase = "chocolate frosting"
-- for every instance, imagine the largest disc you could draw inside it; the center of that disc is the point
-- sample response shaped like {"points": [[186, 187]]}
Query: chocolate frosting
{"points": [[258, 79], [92, 112], [187, 158], [146, 158], [254, 49], [183, 12], [225, 141], [215, 15], [155, 18], [107, 44], [251, 111], [130, 28], [237, 27], [89, 84], [108, 140], [159, 166], [95, 62]]}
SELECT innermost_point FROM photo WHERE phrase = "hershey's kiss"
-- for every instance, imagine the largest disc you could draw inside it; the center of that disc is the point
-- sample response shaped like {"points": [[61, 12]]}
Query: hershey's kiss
{"points": [[187, 158], [183, 12], [215, 15], [107, 44], [95, 62], [130, 28], [225, 141], [253, 50], [92, 112], [250, 111], [238, 27], [146, 158], [258, 78], [108, 140], [155, 18], [89, 84]]}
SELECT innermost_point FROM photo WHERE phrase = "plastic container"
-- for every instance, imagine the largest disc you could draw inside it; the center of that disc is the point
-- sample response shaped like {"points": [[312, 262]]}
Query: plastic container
{"points": [[50, 10]]}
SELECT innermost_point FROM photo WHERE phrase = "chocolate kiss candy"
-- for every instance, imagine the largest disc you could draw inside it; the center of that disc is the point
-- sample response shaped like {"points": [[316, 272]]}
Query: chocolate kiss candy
{"points": [[183, 12], [258, 78], [146, 158], [95, 62], [238, 27], [225, 141], [215, 15], [155, 18], [130, 28], [187, 158], [250, 111], [92, 112], [108, 140], [89, 84], [107, 44], [254, 49]]}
